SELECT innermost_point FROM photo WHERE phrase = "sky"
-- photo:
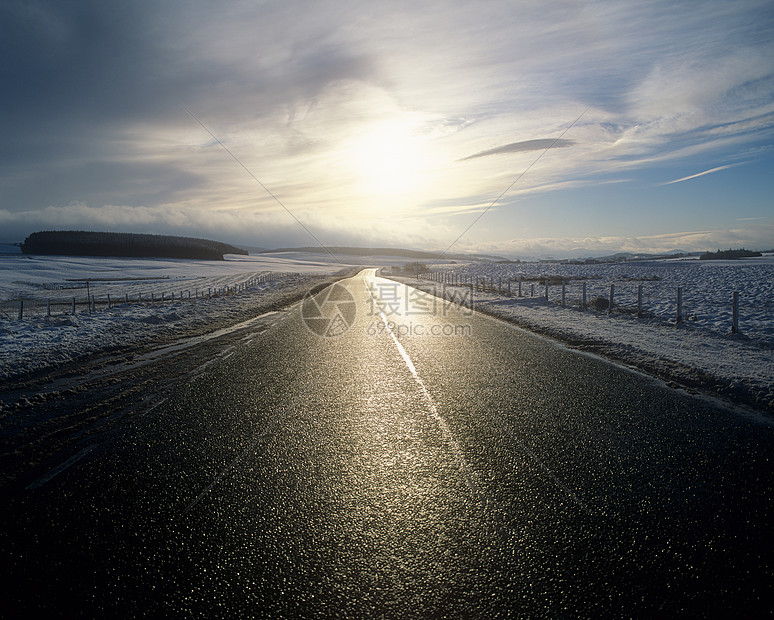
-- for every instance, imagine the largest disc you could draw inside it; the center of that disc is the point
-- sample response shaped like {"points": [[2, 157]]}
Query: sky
{"points": [[524, 129]]}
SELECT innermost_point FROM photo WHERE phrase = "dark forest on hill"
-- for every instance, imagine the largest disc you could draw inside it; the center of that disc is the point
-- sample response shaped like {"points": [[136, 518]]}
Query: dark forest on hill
{"points": [[729, 254], [80, 243]]}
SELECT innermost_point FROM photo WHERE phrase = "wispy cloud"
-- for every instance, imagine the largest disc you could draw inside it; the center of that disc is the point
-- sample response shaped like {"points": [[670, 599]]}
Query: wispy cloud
{"points": [[520, 147], [701, 174]]}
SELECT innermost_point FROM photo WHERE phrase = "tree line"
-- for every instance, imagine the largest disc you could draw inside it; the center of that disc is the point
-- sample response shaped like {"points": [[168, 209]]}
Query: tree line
{"points": [[80, 243], [730, 254]]}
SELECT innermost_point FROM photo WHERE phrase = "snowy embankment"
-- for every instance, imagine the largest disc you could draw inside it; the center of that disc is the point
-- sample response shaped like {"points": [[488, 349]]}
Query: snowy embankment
{"points": [[695, 354], [40, 343]]}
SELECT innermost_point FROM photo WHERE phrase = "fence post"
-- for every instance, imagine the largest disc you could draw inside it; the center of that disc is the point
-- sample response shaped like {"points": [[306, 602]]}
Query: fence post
{"points": [[564, 289], [679, 317], [639, 301], [546, 288], [735, 314], [520, 279], [610, 302], [21, 309], [532, 290], [109, 304], [126, 297], [583, 301]]}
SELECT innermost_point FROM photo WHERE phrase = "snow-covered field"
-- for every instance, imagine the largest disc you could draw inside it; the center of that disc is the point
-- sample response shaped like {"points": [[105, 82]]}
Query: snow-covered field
{"points": [[699, 351], [39, 341], [707, 288], [64, 277]]}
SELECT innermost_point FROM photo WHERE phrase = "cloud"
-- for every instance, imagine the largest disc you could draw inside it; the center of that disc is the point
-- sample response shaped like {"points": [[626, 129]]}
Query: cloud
{"points": [[701, 174], [91, 85], [101, 182], [93, 109], [520, 147]]}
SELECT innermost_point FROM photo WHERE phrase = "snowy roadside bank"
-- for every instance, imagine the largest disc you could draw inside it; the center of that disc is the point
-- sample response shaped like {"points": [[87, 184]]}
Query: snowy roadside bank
{"points": [[37, 344], [736, 367]]}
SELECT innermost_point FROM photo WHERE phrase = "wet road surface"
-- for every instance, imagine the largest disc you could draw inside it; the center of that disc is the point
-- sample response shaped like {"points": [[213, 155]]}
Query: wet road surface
{"points": [[415, 460]]}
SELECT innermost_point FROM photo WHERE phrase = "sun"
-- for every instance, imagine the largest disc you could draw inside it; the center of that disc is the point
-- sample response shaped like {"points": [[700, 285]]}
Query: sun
{"points": [[390, 163]]}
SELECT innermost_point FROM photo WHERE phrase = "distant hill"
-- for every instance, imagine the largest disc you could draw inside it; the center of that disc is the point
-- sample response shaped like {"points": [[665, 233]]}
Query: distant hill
{"points": [[80, 243], [254, 249], [398, 252]]}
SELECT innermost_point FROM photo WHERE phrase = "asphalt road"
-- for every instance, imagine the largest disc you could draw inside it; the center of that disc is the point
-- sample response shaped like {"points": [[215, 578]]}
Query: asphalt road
{"points": [[379, 453]]}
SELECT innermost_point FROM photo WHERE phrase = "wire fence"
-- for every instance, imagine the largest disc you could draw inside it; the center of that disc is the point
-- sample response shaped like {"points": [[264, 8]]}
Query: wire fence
{"points": [[727, 310], [62, 302]]}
